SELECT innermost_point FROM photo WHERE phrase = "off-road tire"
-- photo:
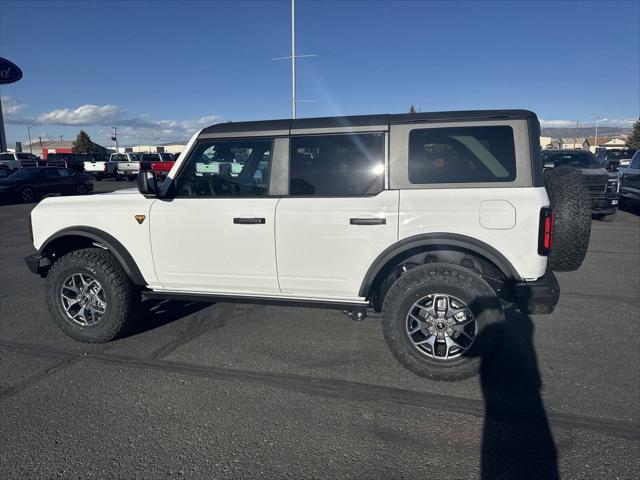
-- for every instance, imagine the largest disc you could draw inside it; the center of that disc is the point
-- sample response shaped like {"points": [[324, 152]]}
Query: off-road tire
{"points": [[571, 206], [460, 282], [122, 296]]}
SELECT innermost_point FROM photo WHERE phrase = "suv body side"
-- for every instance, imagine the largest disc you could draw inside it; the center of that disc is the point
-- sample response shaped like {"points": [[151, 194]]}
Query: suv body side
{"points": [[322, 247]]}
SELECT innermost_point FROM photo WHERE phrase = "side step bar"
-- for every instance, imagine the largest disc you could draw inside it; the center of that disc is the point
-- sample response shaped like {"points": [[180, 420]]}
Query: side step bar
{"points": [[288, 302]]}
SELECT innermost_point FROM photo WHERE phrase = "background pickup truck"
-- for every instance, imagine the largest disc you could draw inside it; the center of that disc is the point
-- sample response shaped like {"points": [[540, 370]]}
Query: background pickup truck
{"points": [[98, 166], [125, 164], [160, 163]]}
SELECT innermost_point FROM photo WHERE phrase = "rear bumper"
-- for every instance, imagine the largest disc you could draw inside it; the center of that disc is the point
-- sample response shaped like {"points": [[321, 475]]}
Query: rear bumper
{"points": [[539, 296]]}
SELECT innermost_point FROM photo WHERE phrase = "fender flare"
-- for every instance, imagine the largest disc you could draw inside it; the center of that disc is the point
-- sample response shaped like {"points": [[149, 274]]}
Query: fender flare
{"points": [[110, 243], [444, 240]]}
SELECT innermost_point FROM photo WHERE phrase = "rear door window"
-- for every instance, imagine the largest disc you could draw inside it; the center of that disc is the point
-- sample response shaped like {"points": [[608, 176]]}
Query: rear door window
{"points": [[337, 165], [462, 155]]}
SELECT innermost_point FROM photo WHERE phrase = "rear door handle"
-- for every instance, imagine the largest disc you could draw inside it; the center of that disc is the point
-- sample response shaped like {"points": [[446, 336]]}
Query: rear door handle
{"points": [[368, 221], [249, 220]]}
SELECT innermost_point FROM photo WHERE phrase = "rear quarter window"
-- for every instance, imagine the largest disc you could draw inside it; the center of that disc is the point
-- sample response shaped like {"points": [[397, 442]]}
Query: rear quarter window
{"points": [[462, 155]]}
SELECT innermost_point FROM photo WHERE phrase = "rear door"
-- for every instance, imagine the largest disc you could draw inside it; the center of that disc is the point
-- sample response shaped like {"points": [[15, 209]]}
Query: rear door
{"points": [[216, 234], [337, 217]]}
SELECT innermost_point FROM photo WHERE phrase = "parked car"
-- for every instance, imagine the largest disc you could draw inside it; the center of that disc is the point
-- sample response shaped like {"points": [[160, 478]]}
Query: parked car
{"points": [[630, 179], [603, 186], [160, 163], [30, 183], [73, 161], [126, 165], [612, 159], [98, 166], [430, 218], [16, 160]]}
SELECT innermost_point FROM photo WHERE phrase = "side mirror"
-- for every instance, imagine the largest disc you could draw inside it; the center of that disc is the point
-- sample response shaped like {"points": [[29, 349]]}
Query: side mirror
{"points": [[147, 183], [550, 164]]}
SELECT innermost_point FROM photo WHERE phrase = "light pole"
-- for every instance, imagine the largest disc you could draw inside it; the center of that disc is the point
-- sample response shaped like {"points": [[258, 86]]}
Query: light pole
{"points": [[115, 137], [29, 132], [595, 147]]}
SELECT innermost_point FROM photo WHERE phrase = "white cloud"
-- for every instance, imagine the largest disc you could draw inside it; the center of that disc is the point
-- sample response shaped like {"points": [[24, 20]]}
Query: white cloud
{"points": [[607, 122], [83, 115], [557, 123], [10, 107], [135, 128]]}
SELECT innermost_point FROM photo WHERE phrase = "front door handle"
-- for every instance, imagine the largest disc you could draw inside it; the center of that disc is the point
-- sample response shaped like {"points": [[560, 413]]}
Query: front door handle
{"points": [[368, 221], [249, 220]]}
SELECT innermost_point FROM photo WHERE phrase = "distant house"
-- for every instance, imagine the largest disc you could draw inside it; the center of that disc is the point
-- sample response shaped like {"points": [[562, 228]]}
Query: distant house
{"points": [[545, 142], [618, 141], [572, 143]]}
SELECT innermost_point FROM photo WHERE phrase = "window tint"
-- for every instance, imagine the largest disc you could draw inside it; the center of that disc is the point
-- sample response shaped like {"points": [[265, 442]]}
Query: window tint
{"points": [[231, 168], [462, 155], [51, 173], [337, 165], [63, 172]]}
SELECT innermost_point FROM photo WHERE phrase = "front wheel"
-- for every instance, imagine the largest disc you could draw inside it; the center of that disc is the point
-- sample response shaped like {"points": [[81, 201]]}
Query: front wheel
{"points": [[90, 296], [441, 321], [81, 189]]}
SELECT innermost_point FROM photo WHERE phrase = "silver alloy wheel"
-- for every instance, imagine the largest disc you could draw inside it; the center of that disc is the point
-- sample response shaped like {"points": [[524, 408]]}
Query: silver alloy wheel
{"points": [[441, 326], [83, 299]]}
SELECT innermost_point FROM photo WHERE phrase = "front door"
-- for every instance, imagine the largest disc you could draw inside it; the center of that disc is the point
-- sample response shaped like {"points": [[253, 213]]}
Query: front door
{"points": [[216, 234], [337, 217]]}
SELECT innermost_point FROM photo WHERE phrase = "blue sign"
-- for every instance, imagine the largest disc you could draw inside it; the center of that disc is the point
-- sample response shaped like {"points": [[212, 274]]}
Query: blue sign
{"points": [[9, 72]]}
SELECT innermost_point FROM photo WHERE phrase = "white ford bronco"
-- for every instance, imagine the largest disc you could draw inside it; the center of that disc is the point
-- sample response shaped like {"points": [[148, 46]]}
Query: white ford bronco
{"points": [[436, 220]]}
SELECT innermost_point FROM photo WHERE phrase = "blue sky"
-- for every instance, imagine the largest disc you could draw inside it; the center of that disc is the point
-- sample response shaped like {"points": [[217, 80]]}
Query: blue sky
{"points": [[159, 70]]}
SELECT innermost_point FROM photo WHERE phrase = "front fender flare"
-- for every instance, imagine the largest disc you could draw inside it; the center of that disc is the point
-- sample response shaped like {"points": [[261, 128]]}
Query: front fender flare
{"points": [[109, 242]]}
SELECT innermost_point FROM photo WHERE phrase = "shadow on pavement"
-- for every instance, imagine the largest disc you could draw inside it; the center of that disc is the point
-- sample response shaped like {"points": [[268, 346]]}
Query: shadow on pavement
{"points": [[517, 441], [157, 313]]}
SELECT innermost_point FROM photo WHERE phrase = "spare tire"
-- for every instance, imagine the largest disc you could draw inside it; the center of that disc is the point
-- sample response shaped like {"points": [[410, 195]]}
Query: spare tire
{"points": [[571, 206]]}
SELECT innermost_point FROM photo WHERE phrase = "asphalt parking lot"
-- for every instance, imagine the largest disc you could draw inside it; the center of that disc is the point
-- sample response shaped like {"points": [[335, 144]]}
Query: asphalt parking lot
{"points": [[243, 391]]}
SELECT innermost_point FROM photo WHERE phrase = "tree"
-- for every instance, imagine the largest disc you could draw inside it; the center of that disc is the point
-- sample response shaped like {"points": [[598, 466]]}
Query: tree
{"points": [[83, 143], [634, 138], [412, 109]]}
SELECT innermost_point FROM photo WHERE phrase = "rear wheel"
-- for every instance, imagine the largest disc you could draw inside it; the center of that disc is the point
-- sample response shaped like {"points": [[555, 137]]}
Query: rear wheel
{"points": [[90, 296], [81, 189], [441, 321]]}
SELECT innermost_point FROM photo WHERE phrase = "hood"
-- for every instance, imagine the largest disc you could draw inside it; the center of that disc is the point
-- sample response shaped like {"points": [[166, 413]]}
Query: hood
{"points": [[124, 191]]}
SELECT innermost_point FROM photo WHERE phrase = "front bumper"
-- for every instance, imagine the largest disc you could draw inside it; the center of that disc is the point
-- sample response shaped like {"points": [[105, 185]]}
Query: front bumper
{"points": [[38, 264], [604, 205], [539, 296]]}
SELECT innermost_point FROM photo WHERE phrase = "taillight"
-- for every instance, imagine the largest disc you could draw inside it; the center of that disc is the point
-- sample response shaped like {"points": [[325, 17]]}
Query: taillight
{"points": [[545, 238]]}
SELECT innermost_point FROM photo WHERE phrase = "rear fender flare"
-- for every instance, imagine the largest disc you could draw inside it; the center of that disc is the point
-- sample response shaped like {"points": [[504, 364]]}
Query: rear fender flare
{"points": [[433, 241]]}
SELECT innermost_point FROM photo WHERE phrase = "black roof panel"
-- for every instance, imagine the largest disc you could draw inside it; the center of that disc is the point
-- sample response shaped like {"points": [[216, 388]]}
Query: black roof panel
{"points": [[365, 120]]}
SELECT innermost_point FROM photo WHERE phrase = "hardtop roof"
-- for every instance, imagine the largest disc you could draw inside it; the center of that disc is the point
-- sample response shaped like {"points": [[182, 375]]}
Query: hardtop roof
{"points": [[364, 120]]}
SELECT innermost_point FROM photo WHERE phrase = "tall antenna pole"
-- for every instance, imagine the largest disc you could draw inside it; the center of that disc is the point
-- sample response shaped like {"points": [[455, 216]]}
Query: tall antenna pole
{"points": [[293, 58], [294, 99]]}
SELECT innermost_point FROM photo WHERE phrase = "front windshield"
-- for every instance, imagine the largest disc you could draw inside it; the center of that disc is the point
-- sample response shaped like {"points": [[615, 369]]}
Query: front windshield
{"points": [[25, 173], [573, 159]]}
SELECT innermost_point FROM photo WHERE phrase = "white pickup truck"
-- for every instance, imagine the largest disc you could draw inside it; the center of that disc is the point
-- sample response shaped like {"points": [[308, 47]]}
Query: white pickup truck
{"points": [[125, 165], [98, 166]]}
